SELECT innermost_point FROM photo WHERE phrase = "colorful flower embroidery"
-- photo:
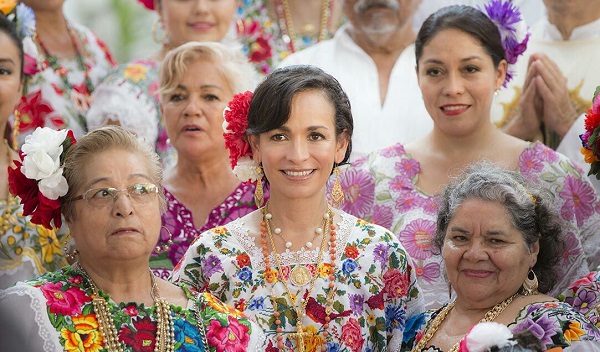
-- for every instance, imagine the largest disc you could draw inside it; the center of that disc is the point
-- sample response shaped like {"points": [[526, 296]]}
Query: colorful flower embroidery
{"points": [[232, 337], [86, 335]]}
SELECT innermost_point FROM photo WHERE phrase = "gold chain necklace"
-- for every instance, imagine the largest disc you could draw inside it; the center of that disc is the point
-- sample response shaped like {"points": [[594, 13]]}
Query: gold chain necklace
{"points": [[286, 23], [7, 218], [437, 322], [300, 334], [165, 332]]}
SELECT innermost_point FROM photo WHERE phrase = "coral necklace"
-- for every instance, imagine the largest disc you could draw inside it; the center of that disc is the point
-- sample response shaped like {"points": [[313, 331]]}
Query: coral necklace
{"points": [[300, 335], [63, 73], [165, 332], [286, 24]]}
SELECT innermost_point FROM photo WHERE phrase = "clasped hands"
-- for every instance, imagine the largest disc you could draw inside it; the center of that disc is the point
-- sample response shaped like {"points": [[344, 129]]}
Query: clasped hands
{"points": [[544, 99]]}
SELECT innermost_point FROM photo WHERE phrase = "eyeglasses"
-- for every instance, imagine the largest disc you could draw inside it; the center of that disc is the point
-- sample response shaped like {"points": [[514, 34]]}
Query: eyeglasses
{"points": [[106, 196]]}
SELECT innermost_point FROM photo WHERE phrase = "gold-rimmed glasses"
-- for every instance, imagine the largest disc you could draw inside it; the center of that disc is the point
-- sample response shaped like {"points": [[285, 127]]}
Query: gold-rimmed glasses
{"points": [[106, 196]]}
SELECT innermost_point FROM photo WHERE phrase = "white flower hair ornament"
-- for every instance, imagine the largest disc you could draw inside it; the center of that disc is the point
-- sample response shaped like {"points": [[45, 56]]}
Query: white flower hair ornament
{"points": [[38, 177], [514, 32], [483, 336]]}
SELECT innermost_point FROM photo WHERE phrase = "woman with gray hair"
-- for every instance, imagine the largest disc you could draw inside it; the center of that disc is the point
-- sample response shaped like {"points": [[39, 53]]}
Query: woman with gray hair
{"points": [[196, 80], [501, 243], [109, 192]]}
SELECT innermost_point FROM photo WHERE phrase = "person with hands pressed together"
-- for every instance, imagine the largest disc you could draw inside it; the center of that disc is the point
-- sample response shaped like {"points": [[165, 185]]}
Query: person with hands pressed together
{"points": [[554, 85]]}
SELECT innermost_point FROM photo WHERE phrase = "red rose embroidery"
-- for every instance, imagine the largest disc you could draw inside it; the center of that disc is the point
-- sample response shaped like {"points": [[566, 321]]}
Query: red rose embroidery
{"points": [[352, 335], [396, 283]]}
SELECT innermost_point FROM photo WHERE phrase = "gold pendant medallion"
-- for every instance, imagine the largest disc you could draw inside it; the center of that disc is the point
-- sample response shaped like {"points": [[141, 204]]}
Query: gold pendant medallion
{"points": [[300, 275]]}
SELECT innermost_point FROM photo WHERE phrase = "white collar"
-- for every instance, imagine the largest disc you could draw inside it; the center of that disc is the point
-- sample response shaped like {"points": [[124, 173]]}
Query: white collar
{"points": [[546, 31]]}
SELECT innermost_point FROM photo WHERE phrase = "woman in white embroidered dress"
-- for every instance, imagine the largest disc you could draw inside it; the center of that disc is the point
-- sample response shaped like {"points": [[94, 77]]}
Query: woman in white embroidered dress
{"points": [[311, 275]]}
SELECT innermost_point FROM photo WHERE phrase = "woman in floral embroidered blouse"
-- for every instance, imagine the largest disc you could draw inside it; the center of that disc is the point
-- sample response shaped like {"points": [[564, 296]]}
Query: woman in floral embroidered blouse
{"points": [[68, 61], [109, 300], [501, 243], [26, 249], [459, 68], [312, 276], [129, 95], [196, 81]]}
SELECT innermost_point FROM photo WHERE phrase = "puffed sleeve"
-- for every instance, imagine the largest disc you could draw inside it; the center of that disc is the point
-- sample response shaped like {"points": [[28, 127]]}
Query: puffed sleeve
{"points": [[24, 324]]}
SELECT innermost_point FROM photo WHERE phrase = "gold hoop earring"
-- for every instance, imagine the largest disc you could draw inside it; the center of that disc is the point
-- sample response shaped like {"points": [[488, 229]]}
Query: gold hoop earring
{"points": [[240, 26], [165, 247], [337, 194], [162, 39], [530, 285], [259, 194]]}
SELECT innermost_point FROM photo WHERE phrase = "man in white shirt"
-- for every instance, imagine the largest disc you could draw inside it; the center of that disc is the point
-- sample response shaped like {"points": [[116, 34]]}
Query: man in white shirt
{"points": [[373, 58], [555, 80]]}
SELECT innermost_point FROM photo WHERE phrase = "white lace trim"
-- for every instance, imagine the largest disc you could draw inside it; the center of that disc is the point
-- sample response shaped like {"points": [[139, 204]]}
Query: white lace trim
{"points": [[288, 258], [45, 329]]}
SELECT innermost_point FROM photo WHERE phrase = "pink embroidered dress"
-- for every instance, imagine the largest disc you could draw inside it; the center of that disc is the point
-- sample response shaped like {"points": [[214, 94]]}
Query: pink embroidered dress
{"points": [[382, 189], [179, 228], [49, 101]]}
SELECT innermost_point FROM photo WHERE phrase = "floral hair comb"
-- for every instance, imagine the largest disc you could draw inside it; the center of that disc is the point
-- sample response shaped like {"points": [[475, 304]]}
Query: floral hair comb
{"points": [[24, 19], [514, 33], [589, 139], [38, 177]]}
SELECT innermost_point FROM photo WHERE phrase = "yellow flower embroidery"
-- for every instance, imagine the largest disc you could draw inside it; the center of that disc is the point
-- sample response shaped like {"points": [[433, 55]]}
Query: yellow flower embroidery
{"points": [[573, 332], [314, 342], [6, 6], [325, 270], [135, 72], [86, 337], [50, 244]]}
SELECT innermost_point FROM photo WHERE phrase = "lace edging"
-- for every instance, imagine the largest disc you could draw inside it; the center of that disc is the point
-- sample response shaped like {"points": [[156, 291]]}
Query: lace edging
{"points": [[51, 341]]}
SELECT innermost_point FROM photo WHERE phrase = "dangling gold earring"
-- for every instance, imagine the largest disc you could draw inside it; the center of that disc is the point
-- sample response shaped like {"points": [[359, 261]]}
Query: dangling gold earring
{"points": [[71, 256], [166, 246], [530, 285], [259, 194], [155, 26], [337, 194], [15, 132]]}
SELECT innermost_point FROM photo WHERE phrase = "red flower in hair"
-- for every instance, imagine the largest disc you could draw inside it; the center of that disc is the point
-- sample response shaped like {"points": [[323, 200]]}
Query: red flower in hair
{"points": [[236, 123], [149, 4], [38, 201]]}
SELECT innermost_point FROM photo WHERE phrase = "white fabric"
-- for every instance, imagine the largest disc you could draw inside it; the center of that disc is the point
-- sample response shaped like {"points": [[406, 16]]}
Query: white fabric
{"points": [[126, 105], [24, 324], [575, 60], [402, 118]]}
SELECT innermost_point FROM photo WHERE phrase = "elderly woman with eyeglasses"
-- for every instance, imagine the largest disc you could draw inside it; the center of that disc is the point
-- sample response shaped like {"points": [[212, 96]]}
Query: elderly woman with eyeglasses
{"points": [[107, 187]]}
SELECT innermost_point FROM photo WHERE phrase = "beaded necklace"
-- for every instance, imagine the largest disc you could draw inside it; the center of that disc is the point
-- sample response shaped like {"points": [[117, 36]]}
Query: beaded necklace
{"points": [[490, 315], [63, 73], [165, 332], [300, 335], [286, 24], [7, 217]]}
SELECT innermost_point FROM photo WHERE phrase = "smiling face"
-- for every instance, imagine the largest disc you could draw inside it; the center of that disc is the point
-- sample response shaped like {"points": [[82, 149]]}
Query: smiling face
{"points": [[486, 257], [124, 230], [10, 77], [457, 78], [193, 111], [196, 20], [298, 157]]}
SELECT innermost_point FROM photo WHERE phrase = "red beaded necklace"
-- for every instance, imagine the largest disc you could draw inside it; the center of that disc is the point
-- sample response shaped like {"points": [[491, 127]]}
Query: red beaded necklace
{"points": [[63, 73]]}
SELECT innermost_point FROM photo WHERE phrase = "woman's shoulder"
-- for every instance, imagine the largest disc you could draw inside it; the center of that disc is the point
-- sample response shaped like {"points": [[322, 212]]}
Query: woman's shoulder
{"points": [[557, 323]]}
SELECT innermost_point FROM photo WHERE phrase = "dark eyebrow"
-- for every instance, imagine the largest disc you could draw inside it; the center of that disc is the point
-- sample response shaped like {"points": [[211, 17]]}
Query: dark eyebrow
{"points": [[9, 60], [284, 128], [439, 62]]}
